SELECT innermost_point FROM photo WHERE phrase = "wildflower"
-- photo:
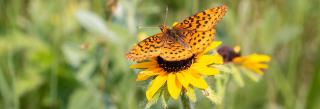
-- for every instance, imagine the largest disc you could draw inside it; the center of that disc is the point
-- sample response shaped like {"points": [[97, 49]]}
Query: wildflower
{"points": [[254, 62], [181, 75]]}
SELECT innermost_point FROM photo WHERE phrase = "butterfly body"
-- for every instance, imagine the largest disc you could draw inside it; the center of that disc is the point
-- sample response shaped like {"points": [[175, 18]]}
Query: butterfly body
{"points": [[185, 39], [174, 35]]}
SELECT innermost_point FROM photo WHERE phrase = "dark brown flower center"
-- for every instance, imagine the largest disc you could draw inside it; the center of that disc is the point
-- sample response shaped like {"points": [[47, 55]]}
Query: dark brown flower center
{"points": [[228, 53], [175, 66]]}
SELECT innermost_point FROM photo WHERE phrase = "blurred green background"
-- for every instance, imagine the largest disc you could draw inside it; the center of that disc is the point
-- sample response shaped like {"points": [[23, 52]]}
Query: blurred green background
{"points": [[69, 54]]}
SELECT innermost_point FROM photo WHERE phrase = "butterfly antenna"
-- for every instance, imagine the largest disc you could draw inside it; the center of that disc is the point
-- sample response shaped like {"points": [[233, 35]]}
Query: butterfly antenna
{"points": [[165, 19], [147, 27]]}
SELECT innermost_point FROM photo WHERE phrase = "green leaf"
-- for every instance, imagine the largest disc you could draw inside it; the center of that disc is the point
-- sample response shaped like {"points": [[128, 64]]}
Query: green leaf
{"points": [[95, 24], [73, 54], [84, 99], [5, 90], [86, 70], [28, 83]]}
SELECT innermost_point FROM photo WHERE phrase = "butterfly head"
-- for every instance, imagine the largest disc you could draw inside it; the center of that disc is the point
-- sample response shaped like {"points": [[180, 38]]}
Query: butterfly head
{"points": [[164, 29]]}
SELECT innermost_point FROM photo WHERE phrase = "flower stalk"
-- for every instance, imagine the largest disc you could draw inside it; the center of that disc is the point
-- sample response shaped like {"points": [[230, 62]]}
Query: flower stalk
{"points": [[186, 104]]}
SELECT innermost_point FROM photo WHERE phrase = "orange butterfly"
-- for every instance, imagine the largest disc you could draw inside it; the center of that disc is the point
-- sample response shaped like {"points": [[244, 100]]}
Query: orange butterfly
{"points": [[185, 39]]}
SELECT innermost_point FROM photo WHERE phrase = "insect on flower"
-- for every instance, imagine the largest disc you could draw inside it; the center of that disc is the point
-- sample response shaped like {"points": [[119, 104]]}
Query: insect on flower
{"points": [[185, 39], [179, 76]]}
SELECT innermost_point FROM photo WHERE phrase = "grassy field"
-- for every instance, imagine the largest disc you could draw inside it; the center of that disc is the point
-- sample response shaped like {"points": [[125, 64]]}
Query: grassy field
{"points": [[70, 54]]}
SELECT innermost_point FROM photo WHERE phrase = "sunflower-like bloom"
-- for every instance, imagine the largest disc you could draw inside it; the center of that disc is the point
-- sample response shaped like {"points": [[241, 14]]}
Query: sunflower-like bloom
{"points": [[180, 75], [254, 62]]}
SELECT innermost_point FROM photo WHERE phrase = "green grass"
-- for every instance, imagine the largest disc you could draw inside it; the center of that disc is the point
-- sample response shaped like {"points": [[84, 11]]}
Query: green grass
{"points": [[70, 54]]}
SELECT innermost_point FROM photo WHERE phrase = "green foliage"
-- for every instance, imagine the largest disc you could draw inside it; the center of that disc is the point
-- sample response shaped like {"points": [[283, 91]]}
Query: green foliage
{"points": [[70, 54]]}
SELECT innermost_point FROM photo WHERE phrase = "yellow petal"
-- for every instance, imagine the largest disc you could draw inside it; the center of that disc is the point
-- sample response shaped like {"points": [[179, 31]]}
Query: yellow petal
{"points": [[182, 80], [190, 93], [260, 65], [259, 58], [155, 85], [210, 59], [206, 70], [254, 62], [144, 75], [174, 86], [187, 76], [255, 67], [143, 65], [213, 45], [196, 80], [238, 60], [197, 64], [256, 70], [175, 23]]}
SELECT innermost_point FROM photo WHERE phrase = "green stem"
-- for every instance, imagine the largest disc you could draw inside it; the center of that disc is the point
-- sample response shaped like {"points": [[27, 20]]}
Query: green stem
{"points": [[186, 104]]}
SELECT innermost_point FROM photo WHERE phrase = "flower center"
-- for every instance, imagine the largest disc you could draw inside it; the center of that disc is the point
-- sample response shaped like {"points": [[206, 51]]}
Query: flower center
{"points": [[175, 66], [228, 53]]}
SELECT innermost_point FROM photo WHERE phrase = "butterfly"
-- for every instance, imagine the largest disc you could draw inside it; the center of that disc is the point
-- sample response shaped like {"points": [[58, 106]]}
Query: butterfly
{"points": [[187, 38]]}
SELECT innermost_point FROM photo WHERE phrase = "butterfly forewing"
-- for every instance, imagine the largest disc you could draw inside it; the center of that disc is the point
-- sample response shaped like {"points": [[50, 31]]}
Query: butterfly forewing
{"points": [[147, 48], [202, 21], [194, 35], [198, 30], [200, 40]]}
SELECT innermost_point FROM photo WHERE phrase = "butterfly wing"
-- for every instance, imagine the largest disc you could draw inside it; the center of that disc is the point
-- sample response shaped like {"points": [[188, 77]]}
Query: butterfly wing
{"points": [[174, 51], [198, 30], [147, 48], [202, 21], [199, 40]]}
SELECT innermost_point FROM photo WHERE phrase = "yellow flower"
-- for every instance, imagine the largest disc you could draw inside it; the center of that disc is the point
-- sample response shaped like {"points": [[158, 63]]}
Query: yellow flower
{"points": [[254, 62], [180, 75]]}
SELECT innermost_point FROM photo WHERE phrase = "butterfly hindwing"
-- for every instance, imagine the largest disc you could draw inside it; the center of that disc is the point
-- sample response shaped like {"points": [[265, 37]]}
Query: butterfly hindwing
{"points": [[174, 51], [185, 39], [147, 48]]}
